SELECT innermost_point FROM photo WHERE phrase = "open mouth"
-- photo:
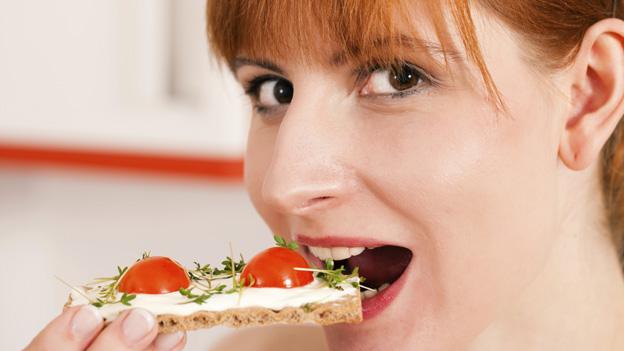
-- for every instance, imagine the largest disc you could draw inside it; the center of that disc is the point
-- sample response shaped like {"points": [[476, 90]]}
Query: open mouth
{"points": [[380, 266]]}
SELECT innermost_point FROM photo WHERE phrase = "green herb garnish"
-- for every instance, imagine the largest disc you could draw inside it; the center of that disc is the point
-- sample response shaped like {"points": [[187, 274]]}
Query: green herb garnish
{"points": [[281, 242], [203, 276], [230, 266], [124, 299], [146, 254], [335, 277], [108, 292], [308, 307], [206, 273], [201, 298]]}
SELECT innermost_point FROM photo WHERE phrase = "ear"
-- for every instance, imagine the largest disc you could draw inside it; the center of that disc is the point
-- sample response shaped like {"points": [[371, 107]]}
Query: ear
{"points": [[597, 94]]}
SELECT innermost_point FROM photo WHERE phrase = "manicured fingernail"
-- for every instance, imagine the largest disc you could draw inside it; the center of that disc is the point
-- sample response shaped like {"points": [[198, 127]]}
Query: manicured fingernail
{"points": [[137, 324], [85, 322], [166, 342]]}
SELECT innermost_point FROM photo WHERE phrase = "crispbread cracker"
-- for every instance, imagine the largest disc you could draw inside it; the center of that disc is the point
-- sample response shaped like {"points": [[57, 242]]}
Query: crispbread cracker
{"points": [[347, 310]]}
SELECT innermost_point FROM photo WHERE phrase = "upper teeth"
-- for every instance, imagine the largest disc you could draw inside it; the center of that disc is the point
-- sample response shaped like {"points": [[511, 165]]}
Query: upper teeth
{"points": [[335, 253]]}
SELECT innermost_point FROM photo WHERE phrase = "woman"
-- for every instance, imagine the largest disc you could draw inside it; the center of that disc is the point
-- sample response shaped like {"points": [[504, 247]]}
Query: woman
{"points": [[477, 143]]}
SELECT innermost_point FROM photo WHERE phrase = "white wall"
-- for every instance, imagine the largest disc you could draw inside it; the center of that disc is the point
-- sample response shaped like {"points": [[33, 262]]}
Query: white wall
{"points": [[116, 74], [80, 225]]}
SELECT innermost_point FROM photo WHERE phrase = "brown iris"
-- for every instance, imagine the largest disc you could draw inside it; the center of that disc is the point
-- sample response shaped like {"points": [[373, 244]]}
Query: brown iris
{"points": [[404, 77]]}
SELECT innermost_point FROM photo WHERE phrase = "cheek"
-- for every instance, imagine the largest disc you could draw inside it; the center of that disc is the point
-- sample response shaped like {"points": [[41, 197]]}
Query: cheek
{"points": [[258, 155], [480, 189], [258, 158]]}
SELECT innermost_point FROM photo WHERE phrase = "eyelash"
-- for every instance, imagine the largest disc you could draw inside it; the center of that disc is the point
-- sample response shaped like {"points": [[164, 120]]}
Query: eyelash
{"points": [[252, 86], [363, 74]]}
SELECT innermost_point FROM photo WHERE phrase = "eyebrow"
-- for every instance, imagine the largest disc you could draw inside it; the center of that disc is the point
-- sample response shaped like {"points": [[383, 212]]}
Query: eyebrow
{"points": [[339, 59], [430, 47], [267, 64]]}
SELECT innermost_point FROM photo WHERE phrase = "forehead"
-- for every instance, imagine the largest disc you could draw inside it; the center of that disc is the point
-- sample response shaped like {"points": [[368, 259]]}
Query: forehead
{"points": [[331, 32]]}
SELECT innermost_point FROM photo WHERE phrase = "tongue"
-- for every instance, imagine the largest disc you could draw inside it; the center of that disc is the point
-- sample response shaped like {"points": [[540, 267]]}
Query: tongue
{"points": [[380, 265]]}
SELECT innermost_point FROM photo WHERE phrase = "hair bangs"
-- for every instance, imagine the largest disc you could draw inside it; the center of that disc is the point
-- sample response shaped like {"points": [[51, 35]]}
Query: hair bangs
{"points": [[361, 32], [303, 30]]}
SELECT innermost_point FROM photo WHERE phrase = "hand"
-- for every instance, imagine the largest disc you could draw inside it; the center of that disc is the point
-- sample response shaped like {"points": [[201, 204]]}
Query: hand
{"points": [[81, 328]]}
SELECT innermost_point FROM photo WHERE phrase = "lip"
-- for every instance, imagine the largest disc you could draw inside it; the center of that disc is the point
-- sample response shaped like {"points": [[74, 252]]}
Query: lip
{"points": [[375, 305]]}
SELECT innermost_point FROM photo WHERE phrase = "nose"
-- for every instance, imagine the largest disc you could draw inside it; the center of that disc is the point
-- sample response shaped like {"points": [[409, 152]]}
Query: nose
{"points": [[308, 172]]}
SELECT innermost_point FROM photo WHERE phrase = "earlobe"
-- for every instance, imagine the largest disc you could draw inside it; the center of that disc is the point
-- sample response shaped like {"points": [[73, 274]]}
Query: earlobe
{"points": [[597, 94], [579, 146]]}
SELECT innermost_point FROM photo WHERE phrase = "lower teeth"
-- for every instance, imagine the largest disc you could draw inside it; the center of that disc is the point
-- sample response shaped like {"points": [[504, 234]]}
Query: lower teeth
{"points": [[367, 294]]}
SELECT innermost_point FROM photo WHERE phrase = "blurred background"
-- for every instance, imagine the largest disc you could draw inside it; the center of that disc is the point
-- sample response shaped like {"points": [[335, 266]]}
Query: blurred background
{"points": [[118, 134]]}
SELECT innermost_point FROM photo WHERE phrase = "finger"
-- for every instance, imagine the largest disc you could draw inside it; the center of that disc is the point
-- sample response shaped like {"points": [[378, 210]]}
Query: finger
{"points": [[72, 330], [169, 342], [133, 330]]}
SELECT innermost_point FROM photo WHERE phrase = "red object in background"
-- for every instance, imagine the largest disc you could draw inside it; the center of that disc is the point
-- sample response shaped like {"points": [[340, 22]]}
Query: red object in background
{"points": [[151, 163], [274, 268], [154, 275]]}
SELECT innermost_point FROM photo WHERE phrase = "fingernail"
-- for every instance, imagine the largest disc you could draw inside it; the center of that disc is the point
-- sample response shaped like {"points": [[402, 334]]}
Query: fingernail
{"points": [[137, 324], [85, 322], [165, 342]]}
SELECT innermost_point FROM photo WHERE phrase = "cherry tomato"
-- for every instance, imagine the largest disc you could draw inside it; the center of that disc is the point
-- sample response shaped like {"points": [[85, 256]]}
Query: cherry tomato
{"points": [[154, 275], [274, 268]]}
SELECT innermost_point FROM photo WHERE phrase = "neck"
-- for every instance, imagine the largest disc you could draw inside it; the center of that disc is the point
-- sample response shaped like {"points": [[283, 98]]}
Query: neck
{"points": [[577, 301]]}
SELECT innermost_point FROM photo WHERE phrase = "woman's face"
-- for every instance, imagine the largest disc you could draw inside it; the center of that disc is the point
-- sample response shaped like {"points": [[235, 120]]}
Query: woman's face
{"points": [[422, 161]]}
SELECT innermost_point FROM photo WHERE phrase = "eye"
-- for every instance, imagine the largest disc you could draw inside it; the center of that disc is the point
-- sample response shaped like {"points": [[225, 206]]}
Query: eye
{"points": [[394, 80], [270, 91]]}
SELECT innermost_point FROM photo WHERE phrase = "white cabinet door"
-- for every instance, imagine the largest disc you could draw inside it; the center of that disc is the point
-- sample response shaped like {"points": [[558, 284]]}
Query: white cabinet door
{"points": [[126, 75]]}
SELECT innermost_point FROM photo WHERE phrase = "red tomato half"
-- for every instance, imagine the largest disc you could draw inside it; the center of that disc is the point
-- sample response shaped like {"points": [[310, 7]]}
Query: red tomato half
{"points": [[274, 268], [154, 275]]}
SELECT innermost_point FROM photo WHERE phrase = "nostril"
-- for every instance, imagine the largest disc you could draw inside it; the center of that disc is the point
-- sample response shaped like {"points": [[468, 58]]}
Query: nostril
{"points": [[299, 195], [315, 202]]}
